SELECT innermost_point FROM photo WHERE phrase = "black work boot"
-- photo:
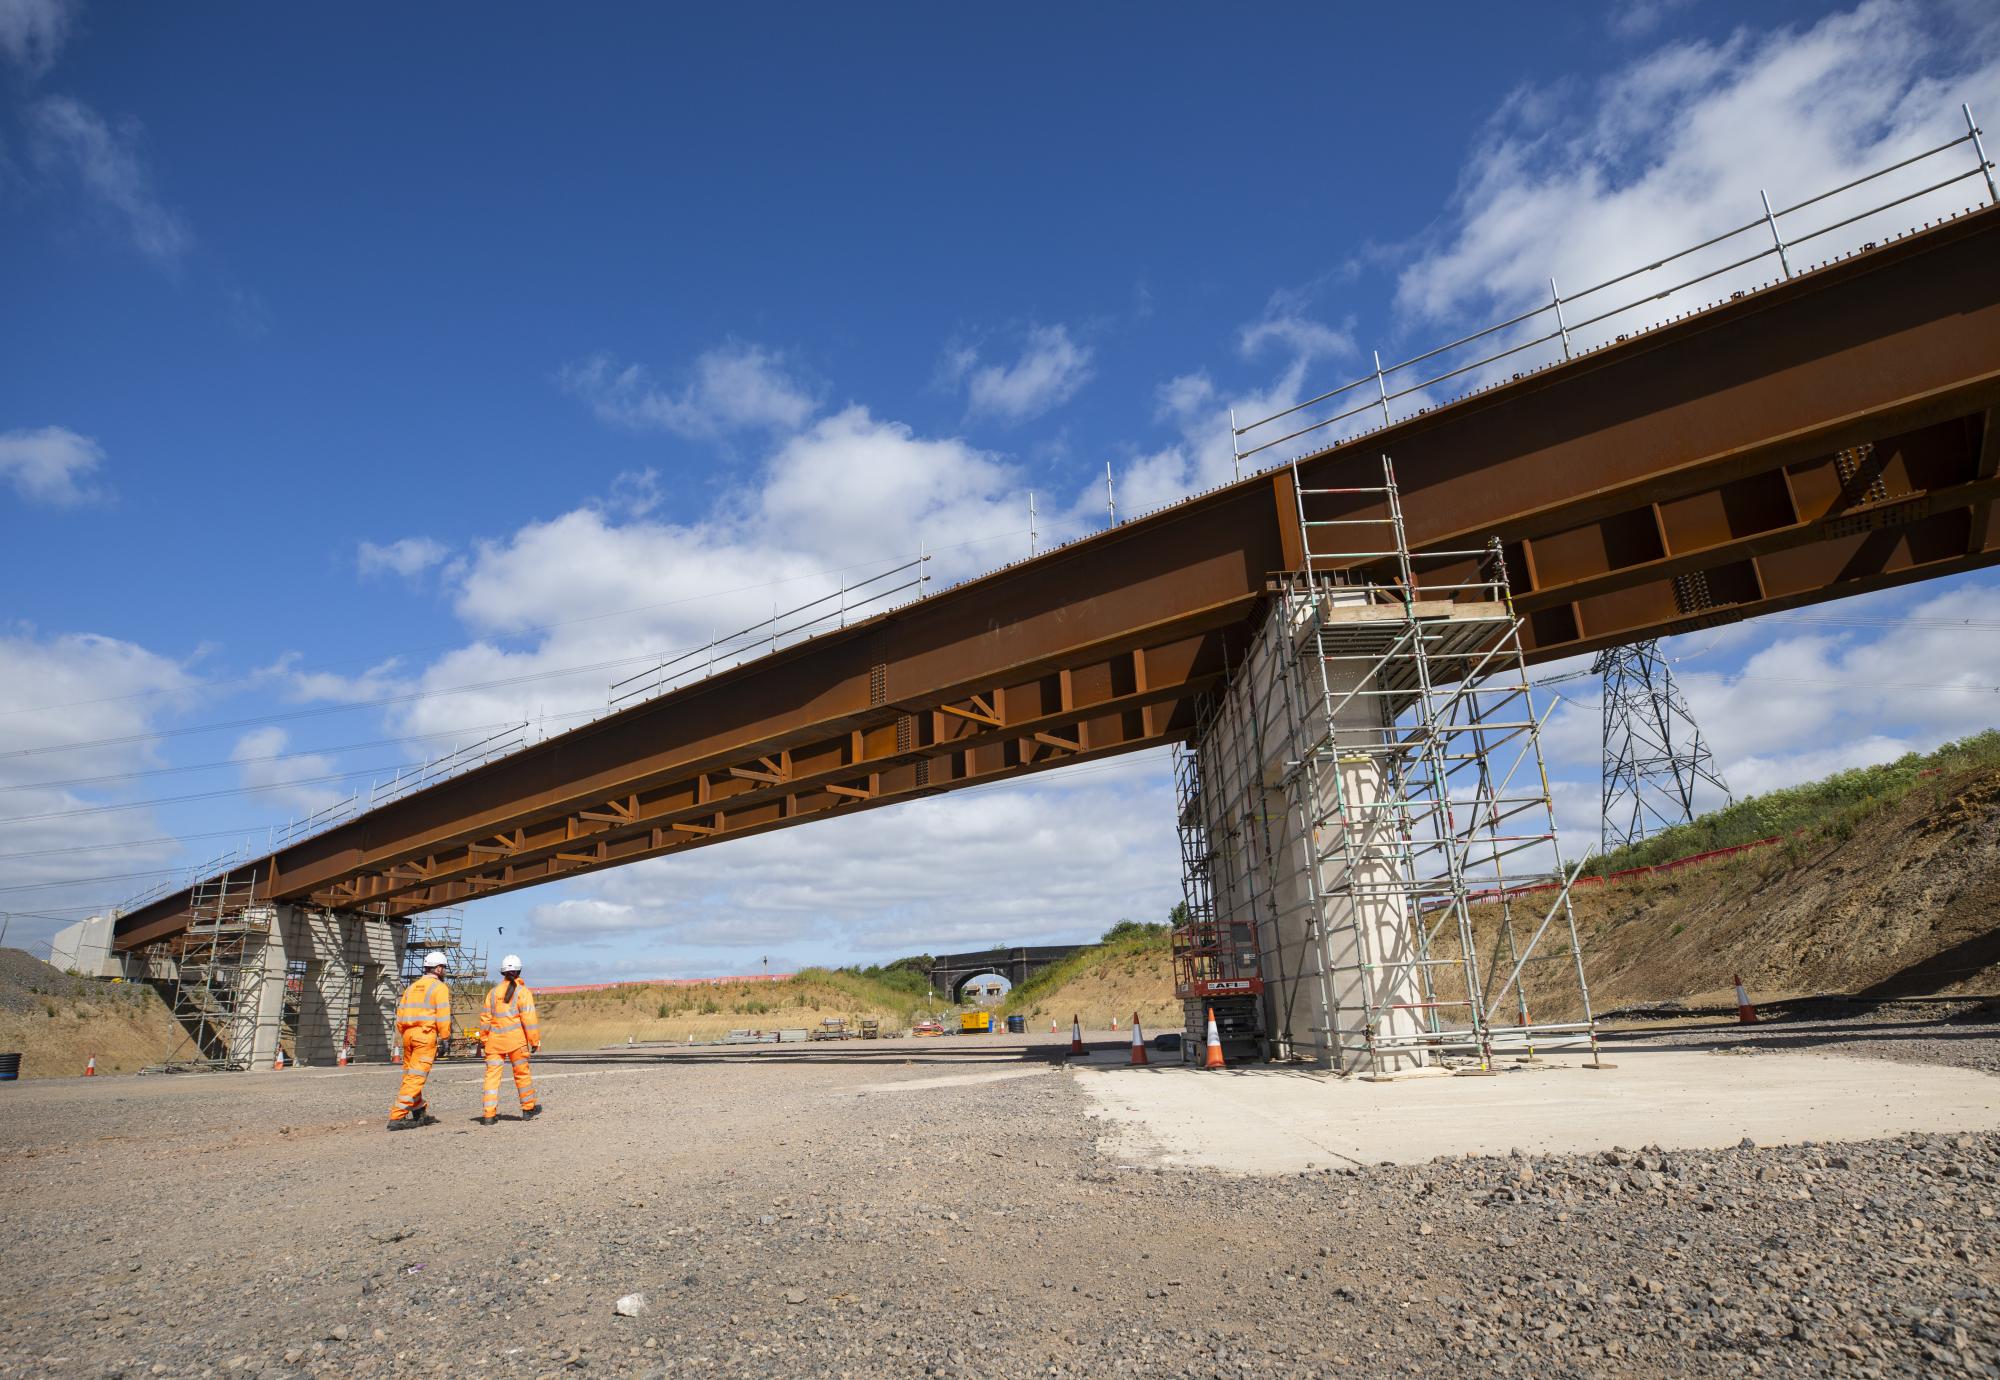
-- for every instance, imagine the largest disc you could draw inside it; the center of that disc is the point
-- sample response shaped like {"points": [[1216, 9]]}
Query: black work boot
{"points": [[489, 1120], [530, 1113], [403, 1123]]}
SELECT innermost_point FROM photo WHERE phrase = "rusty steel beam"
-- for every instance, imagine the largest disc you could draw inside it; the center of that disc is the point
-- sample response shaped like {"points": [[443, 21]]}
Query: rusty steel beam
{"points": [[1831, 434]]}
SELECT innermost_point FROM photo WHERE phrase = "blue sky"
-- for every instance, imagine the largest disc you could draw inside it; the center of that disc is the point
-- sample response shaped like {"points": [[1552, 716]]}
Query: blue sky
{"points": [[358, 356]]}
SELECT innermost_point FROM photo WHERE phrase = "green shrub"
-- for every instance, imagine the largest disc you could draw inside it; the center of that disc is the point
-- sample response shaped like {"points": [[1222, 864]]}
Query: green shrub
{"points": [[1808, 813]]}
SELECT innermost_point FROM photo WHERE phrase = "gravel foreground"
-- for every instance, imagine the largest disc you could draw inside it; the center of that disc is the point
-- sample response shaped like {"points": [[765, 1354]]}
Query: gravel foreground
{"points": [[935, 1208]]}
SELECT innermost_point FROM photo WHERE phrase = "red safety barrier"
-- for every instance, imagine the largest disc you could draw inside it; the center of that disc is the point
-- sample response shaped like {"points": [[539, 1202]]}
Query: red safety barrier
{"points": [[1712, 855]]}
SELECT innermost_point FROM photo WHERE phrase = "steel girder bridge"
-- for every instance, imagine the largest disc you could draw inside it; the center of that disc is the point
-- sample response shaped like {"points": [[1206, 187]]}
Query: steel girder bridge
{"points": [[1831, 434]]}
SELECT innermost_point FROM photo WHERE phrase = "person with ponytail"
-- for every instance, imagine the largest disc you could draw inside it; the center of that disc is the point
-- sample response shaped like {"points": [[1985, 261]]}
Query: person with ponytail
{"points": [[510, 1031]]}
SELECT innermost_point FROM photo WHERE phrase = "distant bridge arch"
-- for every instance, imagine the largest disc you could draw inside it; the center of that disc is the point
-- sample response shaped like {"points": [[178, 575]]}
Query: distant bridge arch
{"points": [[950, 972]]}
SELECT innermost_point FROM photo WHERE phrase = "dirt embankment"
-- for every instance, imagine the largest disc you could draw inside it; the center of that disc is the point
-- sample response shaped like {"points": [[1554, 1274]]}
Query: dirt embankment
{"points": [[590, 1020], [56, 1022], [1101, 984], [1903, 903]]}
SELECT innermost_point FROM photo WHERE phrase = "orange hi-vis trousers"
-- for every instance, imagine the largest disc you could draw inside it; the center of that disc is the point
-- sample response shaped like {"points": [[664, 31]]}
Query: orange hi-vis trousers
{"points": [[524, 1080], [420, 1047]]}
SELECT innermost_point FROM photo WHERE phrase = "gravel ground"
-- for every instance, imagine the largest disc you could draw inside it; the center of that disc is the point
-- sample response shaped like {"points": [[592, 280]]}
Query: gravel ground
{"points": [[1963, 1035], [936, 1208]]}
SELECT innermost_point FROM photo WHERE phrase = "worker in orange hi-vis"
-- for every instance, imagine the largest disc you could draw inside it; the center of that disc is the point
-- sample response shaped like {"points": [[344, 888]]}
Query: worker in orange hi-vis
{"points": [[510, 1032], [423, 1019]]}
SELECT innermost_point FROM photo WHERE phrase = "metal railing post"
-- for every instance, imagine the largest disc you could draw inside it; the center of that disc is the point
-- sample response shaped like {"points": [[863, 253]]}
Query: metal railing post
{"points": [[1235, 446], [1561, 325], [1381, 387], [1783, 259], [1979, 148]]}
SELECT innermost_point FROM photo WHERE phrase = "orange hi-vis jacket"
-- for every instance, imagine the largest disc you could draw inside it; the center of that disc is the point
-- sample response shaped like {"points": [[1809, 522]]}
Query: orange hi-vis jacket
{"points": [[426, 1005], [506, 1026]]}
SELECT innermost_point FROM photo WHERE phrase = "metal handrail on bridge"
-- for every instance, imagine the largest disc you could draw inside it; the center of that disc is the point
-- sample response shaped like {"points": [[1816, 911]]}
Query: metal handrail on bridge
{"points": [[1780, 247]]}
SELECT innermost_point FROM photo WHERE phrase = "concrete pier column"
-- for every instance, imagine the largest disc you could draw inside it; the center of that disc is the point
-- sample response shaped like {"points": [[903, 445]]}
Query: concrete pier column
{"points": [[376, 946], [1301, 850], [314, 937], [264, 973]]}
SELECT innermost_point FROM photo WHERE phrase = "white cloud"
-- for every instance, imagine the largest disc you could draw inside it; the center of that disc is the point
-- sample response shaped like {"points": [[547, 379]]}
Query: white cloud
{"points": [[1300, 335], [70, 139], [56, 691], [408, 557], [1676, 146], [1049, 372], [1637, 18], [734, 387], [377, 682], [53, 466], [32, 32], [291, 781]]}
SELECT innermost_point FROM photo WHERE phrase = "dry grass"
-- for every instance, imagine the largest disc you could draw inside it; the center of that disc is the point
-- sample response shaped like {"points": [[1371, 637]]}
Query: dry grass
{"points": [[1113, 980], [589, 1020], [56, 1036]]}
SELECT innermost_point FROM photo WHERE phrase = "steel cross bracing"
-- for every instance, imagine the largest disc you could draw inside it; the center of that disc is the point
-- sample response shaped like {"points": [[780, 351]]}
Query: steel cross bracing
{"points": [[1654, 754], [1708, 469]]}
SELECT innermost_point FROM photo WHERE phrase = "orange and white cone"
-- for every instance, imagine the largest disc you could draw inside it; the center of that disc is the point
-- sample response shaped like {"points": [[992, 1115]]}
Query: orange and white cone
{"points": [[1746, 1014], [340, 1059], [278, 1060], [1214, 1059], [1138, 1041], [90, 1067], [1052, 1025], [1076, 1035], [1114, 1025], [396, 1054]]}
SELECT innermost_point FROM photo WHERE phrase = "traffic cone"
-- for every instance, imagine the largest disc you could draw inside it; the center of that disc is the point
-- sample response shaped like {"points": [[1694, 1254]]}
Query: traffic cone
{"points": [[340, 1059], [1746, 1014], [396, 1054], [1138, 1041], [1114, 1025], [90, 1067], [1214, 1059], [1052, 1025], [278, 1060], [1076, 1034]]}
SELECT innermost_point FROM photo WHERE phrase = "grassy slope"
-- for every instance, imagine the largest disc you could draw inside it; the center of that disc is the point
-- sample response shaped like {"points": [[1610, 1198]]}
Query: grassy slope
{"points": [[1831, 808], [1887, 884], [58, 1023], [1099, 983], [586, 1020]]}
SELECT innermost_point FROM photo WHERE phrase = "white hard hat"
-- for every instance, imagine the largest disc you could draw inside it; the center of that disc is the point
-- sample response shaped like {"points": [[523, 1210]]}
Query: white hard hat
{"points": [[511, 963], [434, 959]]}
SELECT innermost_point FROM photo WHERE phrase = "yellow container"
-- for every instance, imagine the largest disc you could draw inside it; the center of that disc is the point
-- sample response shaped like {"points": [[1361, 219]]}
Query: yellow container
{"points": [[975, 1022]]}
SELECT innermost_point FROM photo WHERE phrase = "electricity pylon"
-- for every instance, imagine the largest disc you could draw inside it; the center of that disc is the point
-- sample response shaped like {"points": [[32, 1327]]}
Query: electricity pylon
{"points": [[1653, 750]]}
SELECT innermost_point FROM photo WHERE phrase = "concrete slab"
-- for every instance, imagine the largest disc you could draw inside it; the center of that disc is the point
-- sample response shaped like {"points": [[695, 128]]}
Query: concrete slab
{"points": [[951, 1080], [1278, 1121]]}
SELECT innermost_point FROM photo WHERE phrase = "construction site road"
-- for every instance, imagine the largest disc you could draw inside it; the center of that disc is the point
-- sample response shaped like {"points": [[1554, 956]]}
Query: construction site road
{"points": [[942, 1207]]}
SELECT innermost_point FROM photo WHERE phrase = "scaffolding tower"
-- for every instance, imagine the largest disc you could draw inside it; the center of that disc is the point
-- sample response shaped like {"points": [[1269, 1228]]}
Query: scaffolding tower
{"points": [[1654, 754], [1377, 808], [1217, 969], [443, 931], [215, 977]]}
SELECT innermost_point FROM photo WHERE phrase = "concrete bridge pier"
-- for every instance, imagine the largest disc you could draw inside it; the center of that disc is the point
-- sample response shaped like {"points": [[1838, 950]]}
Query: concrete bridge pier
{"points": [[1302, 846], [351, 973]]}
